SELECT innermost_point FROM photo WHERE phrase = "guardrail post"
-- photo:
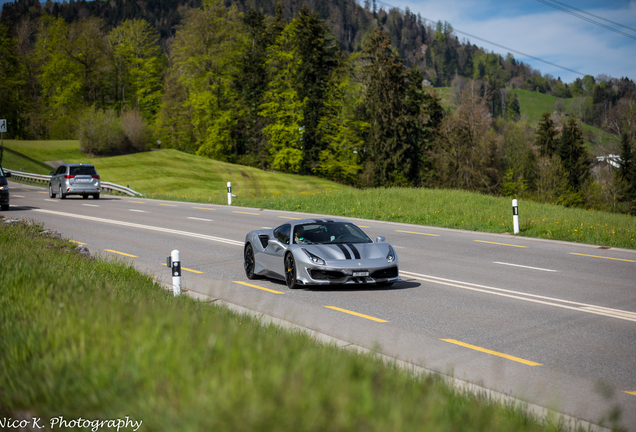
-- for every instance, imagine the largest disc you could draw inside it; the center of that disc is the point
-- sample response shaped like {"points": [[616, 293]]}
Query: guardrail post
{"points": [[515, 215], [229, 193], [174, 262]]}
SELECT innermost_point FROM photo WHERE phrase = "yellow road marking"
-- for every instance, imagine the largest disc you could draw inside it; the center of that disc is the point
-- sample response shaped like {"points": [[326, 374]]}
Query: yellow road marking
{"points": [[356, 314], [596, 256], [234, 211], [258, 287], [495, 353], [502, 244], [287, 217], [631, 393], [362, 226], [413, 232], [138, 202], [186, 269], [120, 253], [169, 205], [204, 208], [42, 192], [75, 241]]}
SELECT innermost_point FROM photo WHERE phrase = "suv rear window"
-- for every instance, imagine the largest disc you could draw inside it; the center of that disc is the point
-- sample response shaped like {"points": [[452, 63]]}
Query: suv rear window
{"points": [[83, 170]]}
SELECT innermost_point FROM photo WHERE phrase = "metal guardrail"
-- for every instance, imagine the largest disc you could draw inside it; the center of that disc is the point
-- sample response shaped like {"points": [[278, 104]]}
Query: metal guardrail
{"points": [[44, 179]]}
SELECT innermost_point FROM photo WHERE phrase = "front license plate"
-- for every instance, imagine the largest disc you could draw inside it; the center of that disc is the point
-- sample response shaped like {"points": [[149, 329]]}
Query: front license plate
{"points": [[360, 274]]}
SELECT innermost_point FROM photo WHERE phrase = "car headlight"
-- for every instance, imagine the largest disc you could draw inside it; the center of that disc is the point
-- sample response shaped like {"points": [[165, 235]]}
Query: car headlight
{"points": [[4, 187], [391, 256], [314, 258]]}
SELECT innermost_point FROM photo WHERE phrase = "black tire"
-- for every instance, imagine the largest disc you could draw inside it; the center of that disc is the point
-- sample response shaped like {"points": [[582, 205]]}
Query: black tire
{"points": [[5, 208], [51, 194], [385, 284], [290, 272], [85, 196], [95, 196], [62, 194], [248, 262]]}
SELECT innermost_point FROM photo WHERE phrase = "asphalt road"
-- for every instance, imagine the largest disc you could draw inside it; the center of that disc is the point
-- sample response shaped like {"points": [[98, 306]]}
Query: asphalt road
{"points": [[552, 323]]}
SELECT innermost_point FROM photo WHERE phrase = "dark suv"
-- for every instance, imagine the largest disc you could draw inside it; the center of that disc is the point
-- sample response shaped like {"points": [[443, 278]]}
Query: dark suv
{"points": [[74, 179], [4, 190]]}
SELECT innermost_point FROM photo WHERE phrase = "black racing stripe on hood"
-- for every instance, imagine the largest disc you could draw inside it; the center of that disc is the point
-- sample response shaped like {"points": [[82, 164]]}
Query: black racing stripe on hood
{"points": [[356, 254], [344, 251]]}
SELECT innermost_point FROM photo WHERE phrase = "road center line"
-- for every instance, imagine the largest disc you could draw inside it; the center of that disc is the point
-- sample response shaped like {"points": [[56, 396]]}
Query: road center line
{"points": [[259, 287], [78, 242], [120, 253], [186, 269], [495, 353], [287, 217], [522, 266], [138, 211], [501, 244], [420, 233], [146, 227], [534, 298], [596, 256], [91, 205], [356, 314], [631, 392], [169, 205], [201, 219], [204, 208], [242, 212]]}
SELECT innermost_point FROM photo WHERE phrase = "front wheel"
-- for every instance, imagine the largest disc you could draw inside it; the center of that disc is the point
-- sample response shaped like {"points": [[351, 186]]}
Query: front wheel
{"points": [[248, 263], [51, 194], [5, 208], [290, 271], [95, 196]]}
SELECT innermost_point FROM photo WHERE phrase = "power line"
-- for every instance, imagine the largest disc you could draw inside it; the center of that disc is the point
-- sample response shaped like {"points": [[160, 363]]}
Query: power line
{"points": [[587, 19], [595, 16], [490, 42]]}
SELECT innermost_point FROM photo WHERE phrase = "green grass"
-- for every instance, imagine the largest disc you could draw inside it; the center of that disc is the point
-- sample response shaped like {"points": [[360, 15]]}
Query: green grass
{"points": [[95, 339], [174, 175], [168, 174], [464, 210]]}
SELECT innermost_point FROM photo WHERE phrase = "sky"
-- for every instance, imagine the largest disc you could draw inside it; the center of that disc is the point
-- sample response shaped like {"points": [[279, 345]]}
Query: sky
{"points": [[533, 28], [538, 30]]}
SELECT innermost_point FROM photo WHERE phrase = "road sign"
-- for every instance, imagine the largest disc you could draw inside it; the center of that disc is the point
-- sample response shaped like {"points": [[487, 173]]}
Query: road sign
{"points": [[3, 125]]}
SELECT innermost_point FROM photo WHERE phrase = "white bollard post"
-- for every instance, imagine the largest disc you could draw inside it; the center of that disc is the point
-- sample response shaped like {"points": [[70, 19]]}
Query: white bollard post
{"points": [[229, 193], [515, 215], [175, 261]]}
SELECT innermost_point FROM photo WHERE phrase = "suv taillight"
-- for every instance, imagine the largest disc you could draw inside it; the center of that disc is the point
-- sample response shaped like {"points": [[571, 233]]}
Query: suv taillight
{"points": [[69, 176], [95, 176]]}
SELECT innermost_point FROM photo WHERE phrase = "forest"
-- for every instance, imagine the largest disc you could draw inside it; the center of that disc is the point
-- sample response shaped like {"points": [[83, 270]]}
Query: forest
{"points": [[336, 89]]}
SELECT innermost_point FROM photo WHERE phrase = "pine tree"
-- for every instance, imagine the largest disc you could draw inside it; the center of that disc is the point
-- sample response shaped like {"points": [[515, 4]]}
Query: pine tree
{"points": [[573, 154], [546, 136], [627, 171]]}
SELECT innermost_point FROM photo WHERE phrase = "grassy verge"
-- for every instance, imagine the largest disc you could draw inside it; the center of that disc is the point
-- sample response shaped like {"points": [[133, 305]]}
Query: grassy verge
{"points": [[95, 339], [463, 210]]}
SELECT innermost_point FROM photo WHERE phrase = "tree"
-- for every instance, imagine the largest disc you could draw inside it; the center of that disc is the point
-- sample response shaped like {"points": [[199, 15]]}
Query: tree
{"points": [[139, 64], [282, 105], [467, 153], [206, 53], [12, 85], [546, 136], [627, 171], [574, 157]]}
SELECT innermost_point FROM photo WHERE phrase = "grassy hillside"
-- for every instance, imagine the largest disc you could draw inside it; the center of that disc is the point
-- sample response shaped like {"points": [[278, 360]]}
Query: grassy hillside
{"points": [[166, 173]]}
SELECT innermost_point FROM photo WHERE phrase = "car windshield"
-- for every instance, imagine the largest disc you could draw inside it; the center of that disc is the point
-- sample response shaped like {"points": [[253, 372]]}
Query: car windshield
{"points": [[1, 172], [329, 233], [83, 170]]}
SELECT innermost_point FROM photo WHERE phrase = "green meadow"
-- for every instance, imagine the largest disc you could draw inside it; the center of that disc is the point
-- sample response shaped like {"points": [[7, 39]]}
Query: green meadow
{"points": [[173, 175], [93, 338]]}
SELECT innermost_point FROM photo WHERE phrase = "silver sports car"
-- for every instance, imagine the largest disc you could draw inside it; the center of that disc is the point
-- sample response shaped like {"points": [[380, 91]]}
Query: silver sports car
{"points": [[320, 252]]}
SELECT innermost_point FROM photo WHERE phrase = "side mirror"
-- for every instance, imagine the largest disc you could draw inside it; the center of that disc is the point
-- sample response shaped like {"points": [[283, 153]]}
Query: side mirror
{"points": [[51, 173], [7, 174], [380, 239], [275, 242]]}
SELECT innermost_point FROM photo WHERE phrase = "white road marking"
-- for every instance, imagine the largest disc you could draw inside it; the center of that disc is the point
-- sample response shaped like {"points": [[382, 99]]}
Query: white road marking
{"points": [[51, 200], [565, 304], [17, 196], [522, 266], [146, 227], [201, 219], [138, 211], [91, 205]]}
